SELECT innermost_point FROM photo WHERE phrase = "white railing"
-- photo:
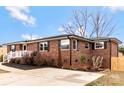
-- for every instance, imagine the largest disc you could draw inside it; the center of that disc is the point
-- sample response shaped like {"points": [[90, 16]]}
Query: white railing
{"points": [[16, 54]]}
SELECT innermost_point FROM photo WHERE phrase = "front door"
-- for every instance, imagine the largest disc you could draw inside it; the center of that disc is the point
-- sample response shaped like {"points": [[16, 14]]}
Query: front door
{"points": [[24, 47]]}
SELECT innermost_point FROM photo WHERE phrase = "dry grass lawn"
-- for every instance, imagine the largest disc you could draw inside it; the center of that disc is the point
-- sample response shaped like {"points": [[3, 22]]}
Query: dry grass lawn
{"points": [[110, 79]]}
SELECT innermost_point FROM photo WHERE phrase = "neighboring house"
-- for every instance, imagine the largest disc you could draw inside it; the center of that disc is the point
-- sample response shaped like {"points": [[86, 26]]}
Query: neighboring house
{"points": [[3, 50], [68, 48]]}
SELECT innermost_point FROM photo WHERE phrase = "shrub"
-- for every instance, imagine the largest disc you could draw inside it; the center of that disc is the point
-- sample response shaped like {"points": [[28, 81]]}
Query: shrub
{"points": [[34, 53], [26, 60], [82, 59], [38, 60], [121, 49], [12, 60], [59, 63], [17, 60], [97, 62], [22, 61]]}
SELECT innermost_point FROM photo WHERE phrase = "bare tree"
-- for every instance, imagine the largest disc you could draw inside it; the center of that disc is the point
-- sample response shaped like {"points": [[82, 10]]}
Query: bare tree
{"points": [[78, 23], [102, 26], [99, 24]]}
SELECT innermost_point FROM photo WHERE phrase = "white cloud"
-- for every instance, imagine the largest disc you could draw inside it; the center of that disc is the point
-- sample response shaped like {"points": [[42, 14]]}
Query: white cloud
{"points": [[22, 14], [116, 8], [61, 29], [30, 36]]}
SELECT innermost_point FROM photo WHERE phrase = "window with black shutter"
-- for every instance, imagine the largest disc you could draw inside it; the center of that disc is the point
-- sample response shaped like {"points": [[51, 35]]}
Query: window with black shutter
{"points": [[99, 45]]}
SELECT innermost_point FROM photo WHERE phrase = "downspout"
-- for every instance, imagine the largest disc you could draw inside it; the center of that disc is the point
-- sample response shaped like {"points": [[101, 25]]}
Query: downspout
{"points": [[70, 51], [110, 53]]}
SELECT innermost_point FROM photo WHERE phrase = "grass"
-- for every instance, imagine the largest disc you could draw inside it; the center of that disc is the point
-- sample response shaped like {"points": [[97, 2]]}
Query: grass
{"points": [[109, 79]]}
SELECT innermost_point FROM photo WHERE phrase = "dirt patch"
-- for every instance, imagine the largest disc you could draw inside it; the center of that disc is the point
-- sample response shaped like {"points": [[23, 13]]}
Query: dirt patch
{"points": [[3, 71], [109, 79]]}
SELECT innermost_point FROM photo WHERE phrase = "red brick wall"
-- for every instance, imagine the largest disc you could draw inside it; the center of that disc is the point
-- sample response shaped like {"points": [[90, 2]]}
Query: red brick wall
{"points": [[82, 51], [18, 47], [52, 54], [32, 47], [114, 49], [105, 53], [65, 55]]}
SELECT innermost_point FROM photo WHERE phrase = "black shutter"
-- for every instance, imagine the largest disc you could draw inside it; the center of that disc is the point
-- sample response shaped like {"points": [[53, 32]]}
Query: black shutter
{"points": [[93, 46], [59, 43], [105, 45], [48, 46]]}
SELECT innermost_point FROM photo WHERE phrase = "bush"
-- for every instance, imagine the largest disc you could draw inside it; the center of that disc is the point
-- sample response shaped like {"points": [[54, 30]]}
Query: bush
{"points": [[34, 53], [12, 60], [121, 49], [22, 61], [82, 59], [17, 60], [1, 58], [35, 59], [38, 60], [26, 60]]}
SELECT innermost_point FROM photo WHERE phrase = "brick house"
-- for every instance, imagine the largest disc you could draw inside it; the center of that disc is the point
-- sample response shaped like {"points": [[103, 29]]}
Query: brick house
{"points": [[68, 48]]}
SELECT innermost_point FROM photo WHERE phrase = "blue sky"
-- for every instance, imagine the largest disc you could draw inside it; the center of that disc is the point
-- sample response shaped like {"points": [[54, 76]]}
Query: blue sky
{"points": [[18, 23]]}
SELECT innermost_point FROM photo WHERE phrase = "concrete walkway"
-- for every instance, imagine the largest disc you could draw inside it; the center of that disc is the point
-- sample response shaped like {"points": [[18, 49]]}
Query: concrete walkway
{"points": [[45, 76]]}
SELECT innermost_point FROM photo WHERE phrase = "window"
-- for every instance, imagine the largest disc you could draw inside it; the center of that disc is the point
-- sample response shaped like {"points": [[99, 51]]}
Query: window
{"points": [[65, 44], [99, 45], [74, 44], [86, 45], [43, 46], [13, 48]]}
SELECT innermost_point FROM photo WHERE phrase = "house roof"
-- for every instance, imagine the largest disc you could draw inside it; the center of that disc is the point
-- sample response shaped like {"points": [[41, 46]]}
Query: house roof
{"points": [[107, 39], [65, 36]]}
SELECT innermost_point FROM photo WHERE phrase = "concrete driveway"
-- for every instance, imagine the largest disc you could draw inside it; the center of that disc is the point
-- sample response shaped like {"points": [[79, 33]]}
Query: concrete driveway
{"points": [[29, 75]]}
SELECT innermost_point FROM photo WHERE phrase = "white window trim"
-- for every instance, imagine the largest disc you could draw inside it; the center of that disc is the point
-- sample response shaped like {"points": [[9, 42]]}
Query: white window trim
{"points": [[62, 48], [43, 46], [88, 45], [23, 47], [76, 44], [101, 47]]}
